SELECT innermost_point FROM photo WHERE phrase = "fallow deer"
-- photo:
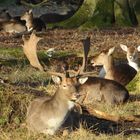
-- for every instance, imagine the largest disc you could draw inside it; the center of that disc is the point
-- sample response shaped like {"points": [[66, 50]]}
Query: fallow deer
{"points": [[132, 56], [9, 24], [12, 27], [98, 89], [48, 115], [33, 23], [122, 73], [91, 88]]}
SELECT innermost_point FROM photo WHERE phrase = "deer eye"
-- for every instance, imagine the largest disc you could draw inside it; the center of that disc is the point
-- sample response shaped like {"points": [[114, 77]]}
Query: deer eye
{"points": [[64, 86]]}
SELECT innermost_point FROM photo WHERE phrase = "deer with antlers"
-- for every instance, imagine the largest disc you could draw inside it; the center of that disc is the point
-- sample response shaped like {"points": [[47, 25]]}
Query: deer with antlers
{"points": [[122, 73], [98, 89], [47, 115]]}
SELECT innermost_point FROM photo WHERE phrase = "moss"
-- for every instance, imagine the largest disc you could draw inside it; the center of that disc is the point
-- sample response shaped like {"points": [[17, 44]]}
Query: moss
{"points": [[122, 16], [134, 85], [81, 16], [137, 10], [103, 15]]}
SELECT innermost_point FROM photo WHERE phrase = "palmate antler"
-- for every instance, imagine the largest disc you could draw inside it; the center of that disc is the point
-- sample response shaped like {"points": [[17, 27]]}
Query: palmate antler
{"points": [[86, 48], [30, 50]]}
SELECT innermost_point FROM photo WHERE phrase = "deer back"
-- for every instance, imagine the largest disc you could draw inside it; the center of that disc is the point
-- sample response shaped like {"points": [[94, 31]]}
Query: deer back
{"points": [[13, 27], [99, 89]]}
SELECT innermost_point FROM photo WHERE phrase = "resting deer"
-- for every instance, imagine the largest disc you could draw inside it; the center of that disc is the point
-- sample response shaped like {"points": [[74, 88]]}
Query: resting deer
{"points": [[48, 115], [98, 89], [33, 23], [9, 24], [91, 88], [122, 73], [132, 56]]}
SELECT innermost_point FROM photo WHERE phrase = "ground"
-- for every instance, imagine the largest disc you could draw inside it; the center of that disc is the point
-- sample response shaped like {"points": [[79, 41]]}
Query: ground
{"points": [[23, 83]]}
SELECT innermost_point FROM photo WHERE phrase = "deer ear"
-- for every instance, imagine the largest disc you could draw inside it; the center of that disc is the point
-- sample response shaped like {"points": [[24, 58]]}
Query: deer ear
{"points": [[56, 79], [82, 80], [138, 48], [124, 47], [111, 50]]}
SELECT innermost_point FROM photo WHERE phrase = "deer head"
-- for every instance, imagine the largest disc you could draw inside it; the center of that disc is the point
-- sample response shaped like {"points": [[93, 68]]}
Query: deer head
{"points": [[132, 55], [27, 15], [104, 57]]}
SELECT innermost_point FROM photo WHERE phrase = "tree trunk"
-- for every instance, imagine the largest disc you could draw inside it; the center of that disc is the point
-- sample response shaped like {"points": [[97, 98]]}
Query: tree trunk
{"points": [[105, 13]]}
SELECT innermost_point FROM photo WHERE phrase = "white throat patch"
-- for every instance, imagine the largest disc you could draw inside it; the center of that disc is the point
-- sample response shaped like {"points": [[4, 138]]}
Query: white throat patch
{"points": [[134, 65], [70, 105]]}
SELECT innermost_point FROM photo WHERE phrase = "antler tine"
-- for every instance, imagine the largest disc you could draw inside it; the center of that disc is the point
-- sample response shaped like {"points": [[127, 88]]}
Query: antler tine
{"points": [[86, 46]]}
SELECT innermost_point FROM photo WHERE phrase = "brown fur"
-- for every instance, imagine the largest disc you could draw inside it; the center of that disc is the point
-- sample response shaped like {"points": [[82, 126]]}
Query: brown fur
{"points": [[46, 115], [99, 89], [122, 73]]}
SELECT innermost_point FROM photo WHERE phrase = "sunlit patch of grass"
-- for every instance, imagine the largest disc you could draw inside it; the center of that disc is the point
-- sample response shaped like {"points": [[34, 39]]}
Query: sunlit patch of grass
{"points": [[28, 75], [22, 133], [13, 106], [134, 85], [9, 53]]}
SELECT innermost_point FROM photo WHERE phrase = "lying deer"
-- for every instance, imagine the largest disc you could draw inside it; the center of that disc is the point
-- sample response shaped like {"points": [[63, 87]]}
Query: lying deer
{"points": [[12, 27], [132, 56], [33, 23], [122, 73], [9, 24], [98, 89], [48, 115]]}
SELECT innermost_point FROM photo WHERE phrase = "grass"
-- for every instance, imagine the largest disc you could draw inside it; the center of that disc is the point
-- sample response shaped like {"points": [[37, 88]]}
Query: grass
{"points": [[25, 82]]}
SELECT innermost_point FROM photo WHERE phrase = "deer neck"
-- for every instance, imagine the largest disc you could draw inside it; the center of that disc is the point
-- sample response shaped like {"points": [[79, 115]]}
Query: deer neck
{"points": [[62, 101], [29, 23], [109, 66]]}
